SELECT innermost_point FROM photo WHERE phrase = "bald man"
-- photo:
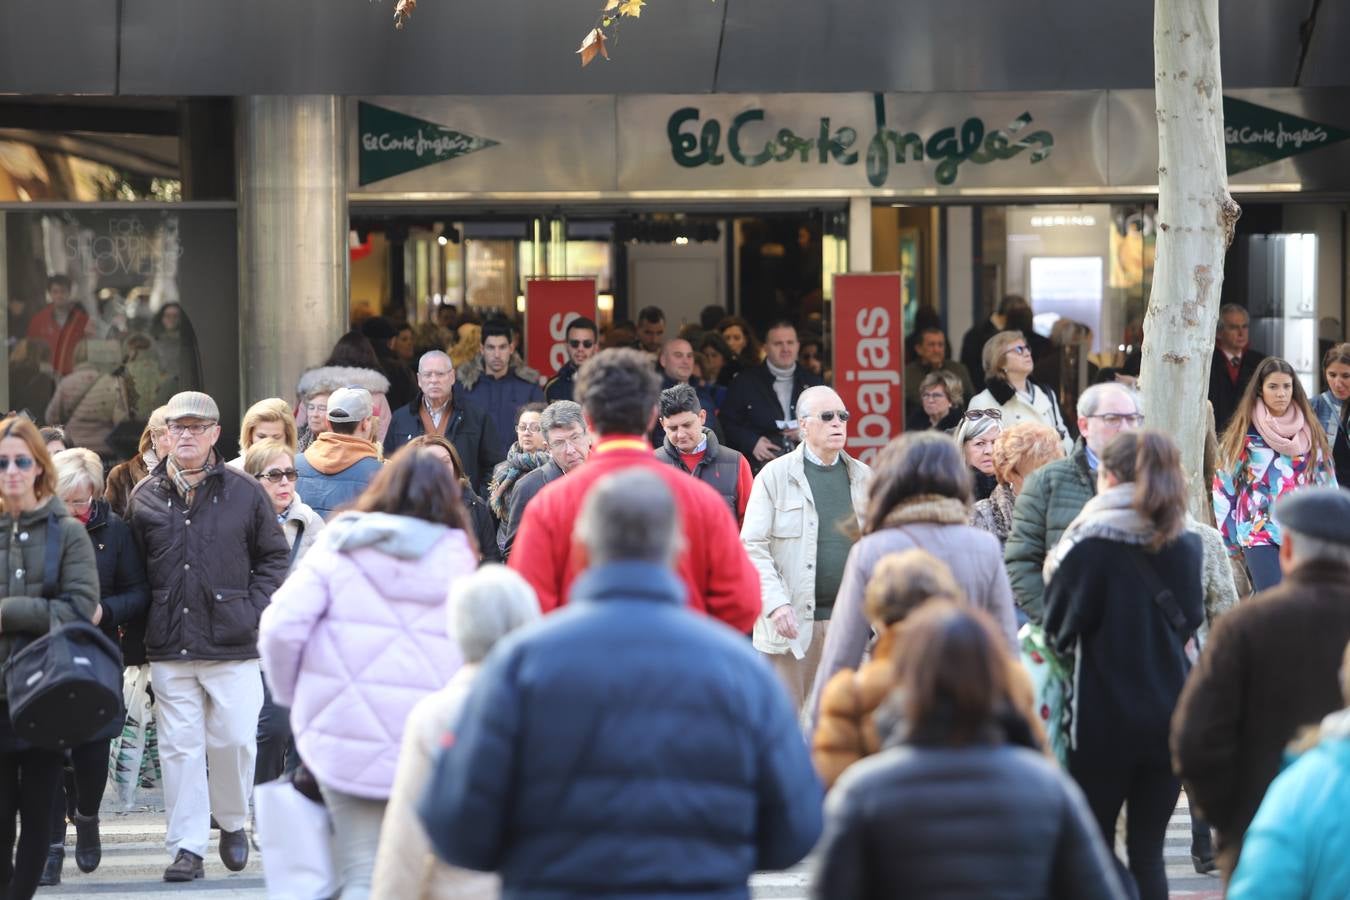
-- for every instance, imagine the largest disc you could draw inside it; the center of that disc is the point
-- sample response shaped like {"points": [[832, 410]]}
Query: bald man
{"points": [[793, 535]]}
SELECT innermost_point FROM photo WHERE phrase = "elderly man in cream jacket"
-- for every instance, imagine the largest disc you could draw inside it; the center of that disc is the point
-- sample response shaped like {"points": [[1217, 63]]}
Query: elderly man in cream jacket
{"points": [[804, 513]]}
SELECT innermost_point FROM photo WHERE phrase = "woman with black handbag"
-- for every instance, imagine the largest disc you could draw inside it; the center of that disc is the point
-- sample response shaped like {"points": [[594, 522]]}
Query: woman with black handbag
{"points": [[50, 576], [1125, 595], [125, 596]]}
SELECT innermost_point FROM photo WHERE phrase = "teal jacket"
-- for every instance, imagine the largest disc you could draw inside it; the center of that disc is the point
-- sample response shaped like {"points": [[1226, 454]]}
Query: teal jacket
{"points": [[1298, 846], [1051, 498]]}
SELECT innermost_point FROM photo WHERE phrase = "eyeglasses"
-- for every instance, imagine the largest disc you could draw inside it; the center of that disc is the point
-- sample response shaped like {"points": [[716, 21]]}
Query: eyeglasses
{"points": [[1115, 420], [80, 504], [828, 415], [576, 443], [524, 428], [935, 395], [195, 430], [22, 463], [974, 415], [582, 344], [276, 476], [1019, 349]]}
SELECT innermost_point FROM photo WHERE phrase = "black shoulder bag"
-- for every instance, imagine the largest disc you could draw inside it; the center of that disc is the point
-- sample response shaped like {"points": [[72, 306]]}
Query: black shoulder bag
{"points": [[65, 687]]}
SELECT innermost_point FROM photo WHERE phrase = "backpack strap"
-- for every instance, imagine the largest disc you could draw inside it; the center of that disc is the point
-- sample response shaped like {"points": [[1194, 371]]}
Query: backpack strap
{"points": [[1163, 597], [51, 558], [299, 536]]}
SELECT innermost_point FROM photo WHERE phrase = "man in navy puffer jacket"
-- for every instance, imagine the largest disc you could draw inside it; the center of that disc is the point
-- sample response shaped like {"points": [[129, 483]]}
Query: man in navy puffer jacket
{"points": [[625, 745]]}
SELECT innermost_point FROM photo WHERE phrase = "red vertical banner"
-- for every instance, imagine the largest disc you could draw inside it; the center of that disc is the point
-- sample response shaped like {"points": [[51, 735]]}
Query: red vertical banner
{"points": [[550, 304], [868, 359]]}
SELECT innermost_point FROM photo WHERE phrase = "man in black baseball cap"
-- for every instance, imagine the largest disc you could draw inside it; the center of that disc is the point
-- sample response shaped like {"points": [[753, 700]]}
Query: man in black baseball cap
{"points": [[1269, 669]]}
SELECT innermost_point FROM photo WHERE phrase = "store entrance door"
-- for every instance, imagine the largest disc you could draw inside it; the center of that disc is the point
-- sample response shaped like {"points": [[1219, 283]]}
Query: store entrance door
{"points": [[679, 278]]}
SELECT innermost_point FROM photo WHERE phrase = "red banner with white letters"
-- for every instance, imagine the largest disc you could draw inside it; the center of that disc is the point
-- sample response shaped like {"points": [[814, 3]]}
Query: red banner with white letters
{"points": [[868, 359], [550, 303]]}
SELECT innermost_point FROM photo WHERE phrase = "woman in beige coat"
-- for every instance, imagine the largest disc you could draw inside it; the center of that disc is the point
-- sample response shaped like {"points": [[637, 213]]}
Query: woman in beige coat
{"points": [[484, 608]]}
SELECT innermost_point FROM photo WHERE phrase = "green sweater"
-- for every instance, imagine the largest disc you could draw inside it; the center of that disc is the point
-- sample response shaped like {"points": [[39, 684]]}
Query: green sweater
{"points": [[834, 513]]}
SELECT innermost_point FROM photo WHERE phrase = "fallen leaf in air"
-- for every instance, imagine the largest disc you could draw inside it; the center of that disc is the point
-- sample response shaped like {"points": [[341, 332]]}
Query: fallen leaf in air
{"points": [[631, 8], [593, 46], [402, 11]]}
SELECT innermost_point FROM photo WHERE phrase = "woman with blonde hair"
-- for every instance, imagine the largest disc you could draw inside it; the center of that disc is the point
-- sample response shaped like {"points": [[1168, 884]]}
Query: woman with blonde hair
{"points": [[51, 576], [1018, 452], [1272, 446], [1010, 389], [124, 597], [154, 447], [267, 419]]}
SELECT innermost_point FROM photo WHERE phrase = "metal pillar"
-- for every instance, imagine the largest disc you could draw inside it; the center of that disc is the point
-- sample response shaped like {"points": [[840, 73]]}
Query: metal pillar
{"points": [[860, 234], [293, 250]]}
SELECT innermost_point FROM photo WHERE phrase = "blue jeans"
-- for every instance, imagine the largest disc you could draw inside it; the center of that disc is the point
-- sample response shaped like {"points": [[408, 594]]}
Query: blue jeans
{"points": [[1264, 565]]}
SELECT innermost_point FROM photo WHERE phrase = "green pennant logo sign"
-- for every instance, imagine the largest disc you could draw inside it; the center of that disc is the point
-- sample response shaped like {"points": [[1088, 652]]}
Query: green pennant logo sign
{"points": [[393, 143], [1258, 135]]}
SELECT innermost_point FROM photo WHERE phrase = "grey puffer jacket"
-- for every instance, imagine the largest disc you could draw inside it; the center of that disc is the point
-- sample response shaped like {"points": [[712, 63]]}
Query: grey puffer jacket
{"points": [[24, 613], [212, 566], [910, 820]]}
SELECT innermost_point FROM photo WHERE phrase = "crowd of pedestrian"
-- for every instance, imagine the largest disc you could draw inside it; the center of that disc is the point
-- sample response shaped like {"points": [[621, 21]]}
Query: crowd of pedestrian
{"points": [[616, 632]]}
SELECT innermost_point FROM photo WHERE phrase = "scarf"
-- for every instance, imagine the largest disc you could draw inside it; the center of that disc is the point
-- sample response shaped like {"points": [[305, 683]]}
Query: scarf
{"points": [[181, 477], [150, 459], [1001, 510], [782, 385], [1108, 515], [1287, 434], [932, 508], [504, 478]]}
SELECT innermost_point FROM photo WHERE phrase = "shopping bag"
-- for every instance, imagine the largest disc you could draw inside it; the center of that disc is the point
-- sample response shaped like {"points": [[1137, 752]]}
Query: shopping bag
{"points": [[295, 839], [129, 754], [1052, 679]]}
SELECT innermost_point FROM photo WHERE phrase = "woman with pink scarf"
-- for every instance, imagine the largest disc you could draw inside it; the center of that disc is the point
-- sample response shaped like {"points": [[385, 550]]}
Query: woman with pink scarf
{"points": [[1273, 445]]}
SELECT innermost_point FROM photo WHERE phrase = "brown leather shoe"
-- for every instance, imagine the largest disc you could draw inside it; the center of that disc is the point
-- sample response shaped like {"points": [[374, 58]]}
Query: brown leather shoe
{"points": [[186, 866], [234, 849]]}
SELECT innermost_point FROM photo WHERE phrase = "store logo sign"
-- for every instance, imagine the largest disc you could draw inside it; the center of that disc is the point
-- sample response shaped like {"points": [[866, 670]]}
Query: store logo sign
{"points": [[393, 143], [751, 144], [1257, 135]]}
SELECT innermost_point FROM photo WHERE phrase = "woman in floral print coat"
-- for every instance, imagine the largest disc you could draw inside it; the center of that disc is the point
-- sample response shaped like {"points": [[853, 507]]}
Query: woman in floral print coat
{"points": [[1273, 445]]}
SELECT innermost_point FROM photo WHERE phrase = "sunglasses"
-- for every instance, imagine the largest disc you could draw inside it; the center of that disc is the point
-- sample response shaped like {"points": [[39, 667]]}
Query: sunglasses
{"points": [[829, 414], [1019, 349], [276, 476], [581, 344], [974, 415], [22, 463]]}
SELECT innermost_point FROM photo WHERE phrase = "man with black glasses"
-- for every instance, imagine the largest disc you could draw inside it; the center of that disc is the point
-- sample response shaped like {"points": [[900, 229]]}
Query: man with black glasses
{"points": [[804, 514], [583, 337], [1054, 494], [214, 555]]}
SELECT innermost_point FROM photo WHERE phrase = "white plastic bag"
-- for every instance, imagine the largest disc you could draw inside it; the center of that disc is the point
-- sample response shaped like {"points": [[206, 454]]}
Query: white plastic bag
{"points": [[295, 837]]}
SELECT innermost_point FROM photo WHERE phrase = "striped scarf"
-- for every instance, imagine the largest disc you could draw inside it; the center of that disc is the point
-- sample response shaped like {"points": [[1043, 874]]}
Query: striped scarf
{"points": [[181, 477]]}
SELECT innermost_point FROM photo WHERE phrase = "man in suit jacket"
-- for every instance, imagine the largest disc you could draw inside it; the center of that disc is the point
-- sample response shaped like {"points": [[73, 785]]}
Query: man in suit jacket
{"points": [[1234, 363], [762, 397]]}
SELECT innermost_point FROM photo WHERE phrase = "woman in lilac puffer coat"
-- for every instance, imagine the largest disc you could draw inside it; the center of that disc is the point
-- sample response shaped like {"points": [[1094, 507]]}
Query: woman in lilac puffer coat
{"points": [[356, 637]]}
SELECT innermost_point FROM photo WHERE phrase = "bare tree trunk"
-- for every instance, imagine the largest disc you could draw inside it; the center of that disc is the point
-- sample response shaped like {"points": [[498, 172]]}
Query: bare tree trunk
{"points": [[1196, 217]]}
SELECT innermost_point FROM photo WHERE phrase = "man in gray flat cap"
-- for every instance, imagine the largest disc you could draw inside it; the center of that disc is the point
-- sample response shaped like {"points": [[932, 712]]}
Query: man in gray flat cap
{"points": [[214, 554], [1270, 667]]}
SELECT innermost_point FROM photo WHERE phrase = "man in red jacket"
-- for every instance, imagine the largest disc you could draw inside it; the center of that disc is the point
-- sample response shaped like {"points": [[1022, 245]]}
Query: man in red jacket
{"points": [[618, 391]]}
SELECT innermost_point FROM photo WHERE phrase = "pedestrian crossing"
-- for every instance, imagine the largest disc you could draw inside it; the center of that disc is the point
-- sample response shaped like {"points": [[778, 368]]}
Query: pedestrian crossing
{"points": [[134, 859]]}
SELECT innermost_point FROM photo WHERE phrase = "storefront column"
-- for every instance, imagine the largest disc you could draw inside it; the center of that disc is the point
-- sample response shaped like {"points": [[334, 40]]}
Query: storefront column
{"points": [[293, 227], [860, 234]]}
